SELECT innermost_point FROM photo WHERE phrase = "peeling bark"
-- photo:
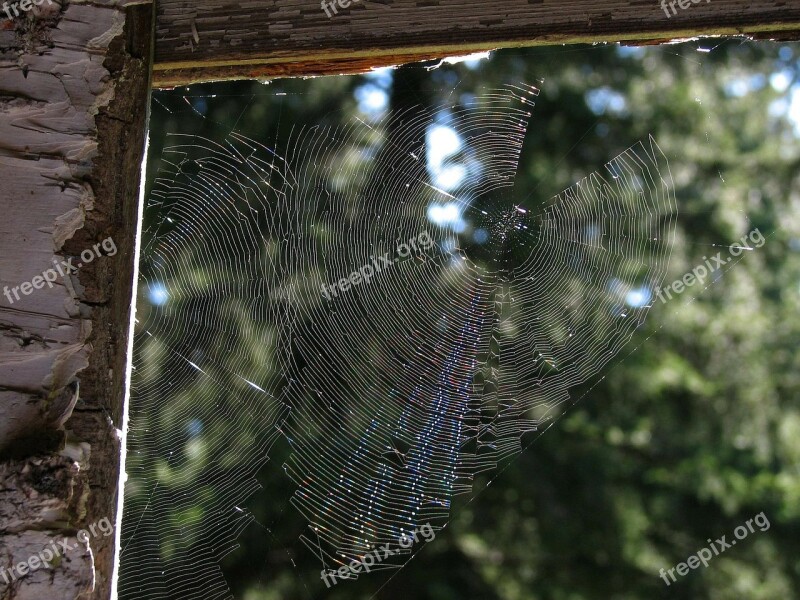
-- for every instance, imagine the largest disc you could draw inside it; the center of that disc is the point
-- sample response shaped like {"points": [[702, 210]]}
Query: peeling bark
{"points": [[73, 104]]}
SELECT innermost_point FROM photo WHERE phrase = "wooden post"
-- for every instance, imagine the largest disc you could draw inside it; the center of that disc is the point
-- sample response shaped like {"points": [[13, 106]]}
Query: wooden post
{"points": [[74, 81]]}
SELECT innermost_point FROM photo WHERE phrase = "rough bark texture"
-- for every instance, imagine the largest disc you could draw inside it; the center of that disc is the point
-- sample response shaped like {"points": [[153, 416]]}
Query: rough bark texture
{"points": [[73, 105], [229, 39]]}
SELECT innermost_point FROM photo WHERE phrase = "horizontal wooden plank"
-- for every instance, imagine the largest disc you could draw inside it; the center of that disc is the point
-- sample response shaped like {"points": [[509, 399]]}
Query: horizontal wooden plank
{"points": [[232, 39]]}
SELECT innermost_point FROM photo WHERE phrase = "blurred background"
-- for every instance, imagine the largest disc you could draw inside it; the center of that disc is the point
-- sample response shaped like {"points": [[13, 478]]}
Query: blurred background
{"points": [[690, 432]]}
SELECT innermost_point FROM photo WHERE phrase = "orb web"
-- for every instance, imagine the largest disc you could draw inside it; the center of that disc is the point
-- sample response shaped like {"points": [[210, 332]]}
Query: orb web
{"points": [[382, 298]]}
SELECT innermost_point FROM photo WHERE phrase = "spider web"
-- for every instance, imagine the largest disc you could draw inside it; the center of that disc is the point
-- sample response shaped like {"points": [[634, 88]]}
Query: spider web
{"points": [[394, 392]]}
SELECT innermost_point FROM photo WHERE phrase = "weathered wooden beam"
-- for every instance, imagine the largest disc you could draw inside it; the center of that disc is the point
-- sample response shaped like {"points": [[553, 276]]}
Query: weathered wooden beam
{"points": [[224, 39], [74, 88]]}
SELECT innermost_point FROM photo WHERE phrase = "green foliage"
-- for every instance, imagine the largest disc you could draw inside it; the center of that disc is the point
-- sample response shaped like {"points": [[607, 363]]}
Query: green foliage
{"points": [[692, 431]]}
